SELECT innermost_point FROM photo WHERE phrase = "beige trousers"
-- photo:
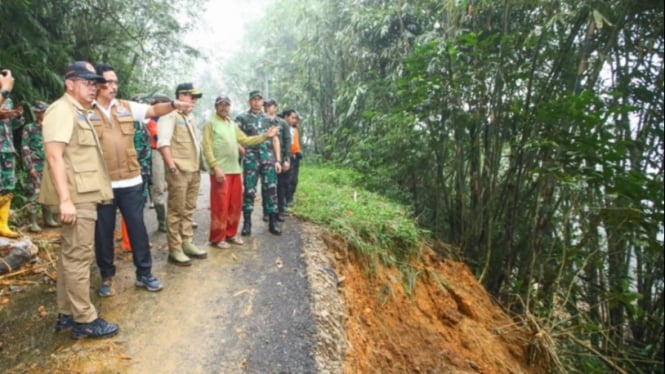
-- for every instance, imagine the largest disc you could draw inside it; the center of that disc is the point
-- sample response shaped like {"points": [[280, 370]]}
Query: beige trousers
{"points": [[73, 265], [183, 189]]}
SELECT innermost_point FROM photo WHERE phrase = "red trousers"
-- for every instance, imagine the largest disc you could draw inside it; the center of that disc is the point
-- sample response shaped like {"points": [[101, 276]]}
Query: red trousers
{"points": [[225, 207]]}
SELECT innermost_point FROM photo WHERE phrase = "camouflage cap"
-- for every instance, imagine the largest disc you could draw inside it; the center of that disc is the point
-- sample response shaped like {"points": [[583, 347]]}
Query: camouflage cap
{"points": [[39, 106], [255, 93]]}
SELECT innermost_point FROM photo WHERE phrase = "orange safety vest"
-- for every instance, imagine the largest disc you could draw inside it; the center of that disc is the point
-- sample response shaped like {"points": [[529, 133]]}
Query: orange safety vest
{"points": [[295, 141], [151, 125]]}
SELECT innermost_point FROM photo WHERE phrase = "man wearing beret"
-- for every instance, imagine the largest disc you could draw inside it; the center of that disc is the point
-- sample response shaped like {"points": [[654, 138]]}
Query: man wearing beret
{"points": [[263, 160], [77, 180], [178, 143], [32, 151]]}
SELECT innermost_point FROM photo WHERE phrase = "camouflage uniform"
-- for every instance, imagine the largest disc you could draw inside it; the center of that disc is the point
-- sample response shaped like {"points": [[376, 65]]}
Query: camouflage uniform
{"points": [[144, 154], [285, 145], [7, 150], [258, 160], [32, 150]]}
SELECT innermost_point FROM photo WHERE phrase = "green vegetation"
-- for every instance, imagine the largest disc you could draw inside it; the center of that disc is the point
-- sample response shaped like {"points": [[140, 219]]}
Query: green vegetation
{"points": [[376, 228], [529, 134]]}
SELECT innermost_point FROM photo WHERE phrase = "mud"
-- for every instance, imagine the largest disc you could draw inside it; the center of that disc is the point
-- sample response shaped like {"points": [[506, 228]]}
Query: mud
{"points": [[242, 310], [299, 303]]}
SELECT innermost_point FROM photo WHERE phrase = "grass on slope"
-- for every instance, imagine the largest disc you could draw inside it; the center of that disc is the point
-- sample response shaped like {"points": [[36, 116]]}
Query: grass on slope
{"points": [[376, 228]]}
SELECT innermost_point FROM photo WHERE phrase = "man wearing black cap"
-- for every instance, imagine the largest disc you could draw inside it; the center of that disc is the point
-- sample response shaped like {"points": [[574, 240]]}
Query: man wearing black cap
{"points": [[77, 181], [262, 159], [178, 142]]}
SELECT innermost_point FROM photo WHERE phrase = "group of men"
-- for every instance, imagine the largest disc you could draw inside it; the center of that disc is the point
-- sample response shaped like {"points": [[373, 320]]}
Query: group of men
{"points": [[267, 145], [93, 146]]}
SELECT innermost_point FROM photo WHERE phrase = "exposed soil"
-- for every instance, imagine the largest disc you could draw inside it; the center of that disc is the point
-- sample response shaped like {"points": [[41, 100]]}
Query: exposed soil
{"points": [[305, 305]]}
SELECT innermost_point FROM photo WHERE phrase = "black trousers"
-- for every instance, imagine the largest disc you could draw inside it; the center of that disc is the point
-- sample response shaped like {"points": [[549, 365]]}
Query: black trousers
{"points": [[283, 180], [293, 181], [131, 202]]}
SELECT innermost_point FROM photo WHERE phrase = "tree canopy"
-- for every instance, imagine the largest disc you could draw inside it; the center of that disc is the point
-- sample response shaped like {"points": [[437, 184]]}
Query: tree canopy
{"points": [[528, 134]]}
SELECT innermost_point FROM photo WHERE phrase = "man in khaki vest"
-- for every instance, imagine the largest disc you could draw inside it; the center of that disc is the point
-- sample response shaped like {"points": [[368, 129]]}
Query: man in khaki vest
{"points": [[178, 143], [75, 181], [114, 123]]}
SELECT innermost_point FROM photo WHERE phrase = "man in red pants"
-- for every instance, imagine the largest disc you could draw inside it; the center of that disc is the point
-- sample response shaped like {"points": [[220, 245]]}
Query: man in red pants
{"points": [[221, 139]]}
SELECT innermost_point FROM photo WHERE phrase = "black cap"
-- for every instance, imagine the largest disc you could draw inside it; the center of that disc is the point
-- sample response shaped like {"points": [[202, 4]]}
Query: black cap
{"points": [[83, 70], [222, 99], [188, 88], [255, 93], [269, 102]]}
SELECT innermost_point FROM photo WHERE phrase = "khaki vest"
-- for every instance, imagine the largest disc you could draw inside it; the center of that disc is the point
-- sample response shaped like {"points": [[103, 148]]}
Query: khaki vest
{"points": [[184, 145], [117, 138], [87, 178]]}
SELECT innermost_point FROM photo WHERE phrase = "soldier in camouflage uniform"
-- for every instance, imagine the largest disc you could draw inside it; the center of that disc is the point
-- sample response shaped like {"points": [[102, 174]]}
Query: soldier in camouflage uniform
{"points": [[10, 120], [32, 151], [143, 148], [270, 109], [264, 159]]}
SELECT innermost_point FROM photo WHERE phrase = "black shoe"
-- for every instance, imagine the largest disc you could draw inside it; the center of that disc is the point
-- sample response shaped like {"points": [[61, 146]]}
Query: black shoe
{"points": [[273, 227], [98, 328], [280, 216], [64, 322]]}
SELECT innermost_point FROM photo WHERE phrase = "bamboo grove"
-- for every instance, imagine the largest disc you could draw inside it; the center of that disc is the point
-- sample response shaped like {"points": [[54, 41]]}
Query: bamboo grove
{"points": [[529, 134]]}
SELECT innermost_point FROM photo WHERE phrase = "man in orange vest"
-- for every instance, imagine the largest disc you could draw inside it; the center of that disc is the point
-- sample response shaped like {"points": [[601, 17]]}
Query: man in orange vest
{"points": [[292, 118]]}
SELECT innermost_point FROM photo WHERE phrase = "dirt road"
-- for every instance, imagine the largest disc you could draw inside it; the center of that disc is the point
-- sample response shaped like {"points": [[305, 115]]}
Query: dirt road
{"points": [[241, 310]]}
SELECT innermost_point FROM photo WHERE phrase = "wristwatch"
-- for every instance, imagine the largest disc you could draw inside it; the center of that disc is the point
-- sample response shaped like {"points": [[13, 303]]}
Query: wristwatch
{"points": [[173, 169], [5, 93]]}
